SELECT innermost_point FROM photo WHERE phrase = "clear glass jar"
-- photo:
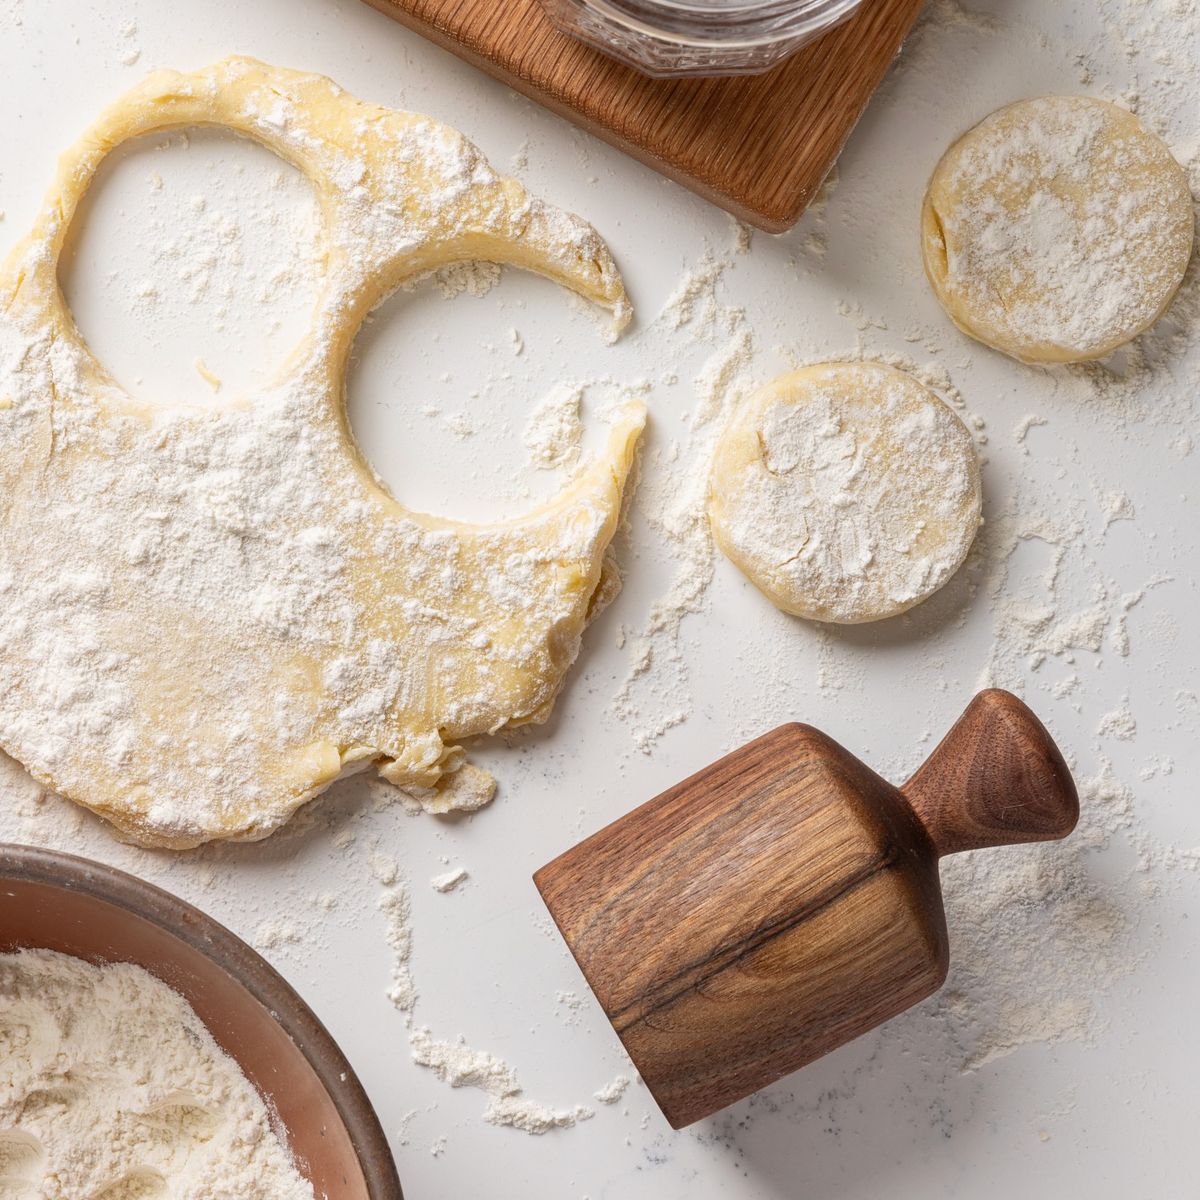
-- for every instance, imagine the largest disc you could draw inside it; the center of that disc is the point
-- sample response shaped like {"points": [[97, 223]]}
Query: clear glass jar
{"points": [[698, 37]]}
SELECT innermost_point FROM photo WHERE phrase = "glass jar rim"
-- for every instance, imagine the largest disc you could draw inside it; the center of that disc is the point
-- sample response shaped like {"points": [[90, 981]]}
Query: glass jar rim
{"points": [[725, 23], [732, 7]]}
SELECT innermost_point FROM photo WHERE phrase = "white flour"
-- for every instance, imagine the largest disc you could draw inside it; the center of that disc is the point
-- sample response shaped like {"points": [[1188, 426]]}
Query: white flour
{"points": [[554, 432], [656, 693], [449, 880], [456, 1063], [112, 1089], [1118, 724], [612, 1091]]}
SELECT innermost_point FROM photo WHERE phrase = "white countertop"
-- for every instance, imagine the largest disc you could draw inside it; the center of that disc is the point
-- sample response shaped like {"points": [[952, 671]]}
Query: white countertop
{"points": [[1061, 1056]]}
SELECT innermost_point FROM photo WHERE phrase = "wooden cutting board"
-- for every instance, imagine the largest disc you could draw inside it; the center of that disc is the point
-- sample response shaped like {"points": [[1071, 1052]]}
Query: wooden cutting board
{"points": [[758, 146]]}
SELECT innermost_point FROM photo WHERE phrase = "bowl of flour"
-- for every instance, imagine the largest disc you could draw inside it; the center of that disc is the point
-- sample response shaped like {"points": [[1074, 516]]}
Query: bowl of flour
{"points": [[146, 1052]]}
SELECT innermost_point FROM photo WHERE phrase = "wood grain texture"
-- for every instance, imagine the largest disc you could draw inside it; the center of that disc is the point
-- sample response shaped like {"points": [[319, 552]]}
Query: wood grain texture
{"points": [[786, 899], [996, 778], [752, 918], [758, 146]]}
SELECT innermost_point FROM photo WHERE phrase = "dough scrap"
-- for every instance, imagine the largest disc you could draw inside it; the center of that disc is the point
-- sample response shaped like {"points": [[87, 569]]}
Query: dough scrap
{"points": [[845, 492], [1057, 229], [210, 612]]}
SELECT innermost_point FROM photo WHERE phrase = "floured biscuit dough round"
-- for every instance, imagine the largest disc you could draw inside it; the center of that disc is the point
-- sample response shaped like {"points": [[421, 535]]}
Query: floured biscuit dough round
{"points": [[845, 492], [1057, 229], [208, 613]]}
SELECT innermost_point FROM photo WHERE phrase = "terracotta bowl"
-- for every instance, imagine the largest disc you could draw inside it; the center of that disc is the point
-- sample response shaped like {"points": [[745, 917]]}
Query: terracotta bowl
{"points": [[60, 902]]}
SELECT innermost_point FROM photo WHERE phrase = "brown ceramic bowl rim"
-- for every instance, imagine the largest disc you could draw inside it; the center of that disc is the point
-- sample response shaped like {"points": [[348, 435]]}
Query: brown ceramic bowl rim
{"points": [[209, 937]]}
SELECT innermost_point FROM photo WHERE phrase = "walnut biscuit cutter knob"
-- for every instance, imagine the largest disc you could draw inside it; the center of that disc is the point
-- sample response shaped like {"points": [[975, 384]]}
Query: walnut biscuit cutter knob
{"points": [[786, 899]]}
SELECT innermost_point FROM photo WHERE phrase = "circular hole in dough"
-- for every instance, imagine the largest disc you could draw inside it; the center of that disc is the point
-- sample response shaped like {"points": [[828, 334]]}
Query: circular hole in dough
{"points": [[192, 265], [438, 373], [1057, 229], [845, 492], [212, 612]]}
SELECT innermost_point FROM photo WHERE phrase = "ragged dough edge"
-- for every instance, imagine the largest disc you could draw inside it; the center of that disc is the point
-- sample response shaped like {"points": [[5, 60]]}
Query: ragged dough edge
{"points": [[437, 775], [537, 237], [419, 775], [975, 324]]}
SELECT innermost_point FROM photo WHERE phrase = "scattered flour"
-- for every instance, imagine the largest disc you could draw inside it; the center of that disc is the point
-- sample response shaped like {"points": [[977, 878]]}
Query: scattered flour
{"points": [[460, 426], [456, 1063], [395, 905], [1023, 426], [275, 933], [554, 432], [611, 1092], [655, 695], [1118, 724], [1117, 507], [448, 880]]}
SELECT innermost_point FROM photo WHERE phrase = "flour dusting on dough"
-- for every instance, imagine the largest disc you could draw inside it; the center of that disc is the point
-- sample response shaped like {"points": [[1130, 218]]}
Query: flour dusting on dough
{"points": [[208, 615], [1057, 229], [846, 492]]}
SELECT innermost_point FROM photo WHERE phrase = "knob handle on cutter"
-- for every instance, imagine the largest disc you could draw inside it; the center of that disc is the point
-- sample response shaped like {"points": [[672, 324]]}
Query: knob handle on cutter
{"points": [[785, 899], [996, 779]]}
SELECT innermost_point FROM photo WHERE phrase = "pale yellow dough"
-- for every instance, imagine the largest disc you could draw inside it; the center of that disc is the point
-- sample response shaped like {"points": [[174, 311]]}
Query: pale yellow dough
{"points": [[845, 492], [209, 613], [1057, 229]]}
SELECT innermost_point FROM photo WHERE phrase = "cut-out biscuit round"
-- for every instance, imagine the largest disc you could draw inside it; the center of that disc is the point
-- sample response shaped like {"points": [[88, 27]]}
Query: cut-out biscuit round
{"points": [[1057, 229], [209, 613], [845, 492]]}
